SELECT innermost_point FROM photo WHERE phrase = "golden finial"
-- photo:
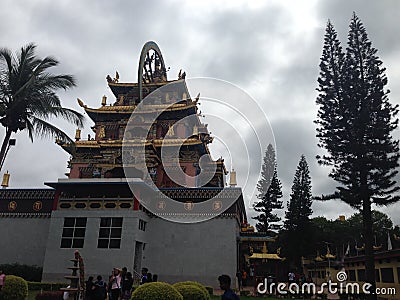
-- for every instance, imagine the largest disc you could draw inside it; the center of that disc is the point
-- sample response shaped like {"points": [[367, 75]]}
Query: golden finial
{"points": [[78, 134], [264, 248], [232, 178], [104, 100], [6, 180]]}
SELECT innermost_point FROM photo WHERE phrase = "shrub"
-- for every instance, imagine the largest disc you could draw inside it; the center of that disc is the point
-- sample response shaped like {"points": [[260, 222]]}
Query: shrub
{"points": [[191, 292], [15, 288], [244, 293], [210, 290], [29, 273], [156, 291], [197, 284], [55, 295]]}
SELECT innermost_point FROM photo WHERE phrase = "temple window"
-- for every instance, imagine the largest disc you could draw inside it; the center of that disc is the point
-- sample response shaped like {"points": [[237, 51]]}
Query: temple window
{"points": [[142, 225], [387, 275], [110, 233], [73, 234]]}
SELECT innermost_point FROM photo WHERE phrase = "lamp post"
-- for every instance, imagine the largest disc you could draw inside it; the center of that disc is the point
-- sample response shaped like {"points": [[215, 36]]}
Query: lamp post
{"points": [[11, 142]]}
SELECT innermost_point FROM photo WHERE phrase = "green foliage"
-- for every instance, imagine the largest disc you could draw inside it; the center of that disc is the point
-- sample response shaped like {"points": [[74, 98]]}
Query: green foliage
{"points": [[29, 273], [356, 119], [191, 292], [45, 286], [299, 205], [355, 124], [270, 191], [15, 288], [28, 99], [204, 289], [339, 234], [297, 234], [210, 290], [156, 291]]}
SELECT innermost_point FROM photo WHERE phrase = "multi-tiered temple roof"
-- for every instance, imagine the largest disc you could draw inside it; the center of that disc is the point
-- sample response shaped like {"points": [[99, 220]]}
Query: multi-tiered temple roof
{"points": [[141, 116]]}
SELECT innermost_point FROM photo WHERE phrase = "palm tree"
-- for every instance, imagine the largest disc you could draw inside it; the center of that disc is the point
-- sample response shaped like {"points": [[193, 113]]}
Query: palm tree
{"points": [[28, 96]]}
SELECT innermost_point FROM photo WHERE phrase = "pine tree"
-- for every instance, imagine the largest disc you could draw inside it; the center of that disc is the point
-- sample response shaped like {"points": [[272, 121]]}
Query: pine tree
{"points": [[296, 236], [270, 191], [299, 206], [357, 136]]}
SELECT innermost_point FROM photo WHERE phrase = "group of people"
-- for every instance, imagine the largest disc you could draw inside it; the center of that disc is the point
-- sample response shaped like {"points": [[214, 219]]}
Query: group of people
{"points": [[243, 276], [118, 287]]}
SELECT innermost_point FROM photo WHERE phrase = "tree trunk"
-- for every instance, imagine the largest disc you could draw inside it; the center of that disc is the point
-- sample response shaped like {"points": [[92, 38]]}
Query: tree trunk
{"points": [[369, 251], [4, 147]]}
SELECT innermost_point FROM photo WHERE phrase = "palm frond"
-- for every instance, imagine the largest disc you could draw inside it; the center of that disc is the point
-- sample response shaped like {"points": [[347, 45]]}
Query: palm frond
{"points": [[45, 129]]}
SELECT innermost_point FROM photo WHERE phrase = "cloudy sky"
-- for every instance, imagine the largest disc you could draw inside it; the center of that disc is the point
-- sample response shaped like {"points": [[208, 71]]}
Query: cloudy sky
{"points": [[270, 49]]}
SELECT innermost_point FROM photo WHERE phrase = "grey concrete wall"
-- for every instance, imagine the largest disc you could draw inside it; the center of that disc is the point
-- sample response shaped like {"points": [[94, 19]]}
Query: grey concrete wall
{"points": [[200, 251], [23, 240], [97, 261]]}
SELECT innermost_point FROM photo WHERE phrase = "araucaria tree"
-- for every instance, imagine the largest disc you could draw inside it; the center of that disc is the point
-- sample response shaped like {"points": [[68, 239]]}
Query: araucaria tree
{"points": [[297, 224], [269, 192], [28, 98], [355, 121]]}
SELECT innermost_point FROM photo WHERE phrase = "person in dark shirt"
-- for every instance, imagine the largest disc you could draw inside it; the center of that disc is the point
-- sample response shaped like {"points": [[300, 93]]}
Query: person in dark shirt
{"points": [[225, 285], [127, 286], [100, 291], [89, 288], [144, 275]]}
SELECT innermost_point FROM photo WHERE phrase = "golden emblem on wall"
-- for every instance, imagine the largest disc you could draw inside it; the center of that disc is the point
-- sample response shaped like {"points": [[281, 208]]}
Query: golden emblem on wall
{"points": [[37, 205], [217, 205], [188, 205], [161, 205], [12, 205]]}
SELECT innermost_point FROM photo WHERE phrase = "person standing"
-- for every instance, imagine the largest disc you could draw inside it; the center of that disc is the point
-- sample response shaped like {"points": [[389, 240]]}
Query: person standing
{"points": [[2, 279], [100, 291], [116, 284], [239, 278], [127, 284], [144, 275], [225, 285], [244, 278], [89, 289]]}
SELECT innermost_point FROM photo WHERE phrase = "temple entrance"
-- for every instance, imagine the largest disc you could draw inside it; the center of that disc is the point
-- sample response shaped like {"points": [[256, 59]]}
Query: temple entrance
{"points": [[137, 260]]}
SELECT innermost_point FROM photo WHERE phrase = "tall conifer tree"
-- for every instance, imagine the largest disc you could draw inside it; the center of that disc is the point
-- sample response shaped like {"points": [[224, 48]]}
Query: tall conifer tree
{"points": [[270, 191], [355, 125], [296, 235]]}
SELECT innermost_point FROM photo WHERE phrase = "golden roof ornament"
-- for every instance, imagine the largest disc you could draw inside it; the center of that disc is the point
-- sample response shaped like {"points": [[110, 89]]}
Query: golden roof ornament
{"points": [[232, 178], [78, 134], [104, 100], [264, 248], [6, 180]]}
